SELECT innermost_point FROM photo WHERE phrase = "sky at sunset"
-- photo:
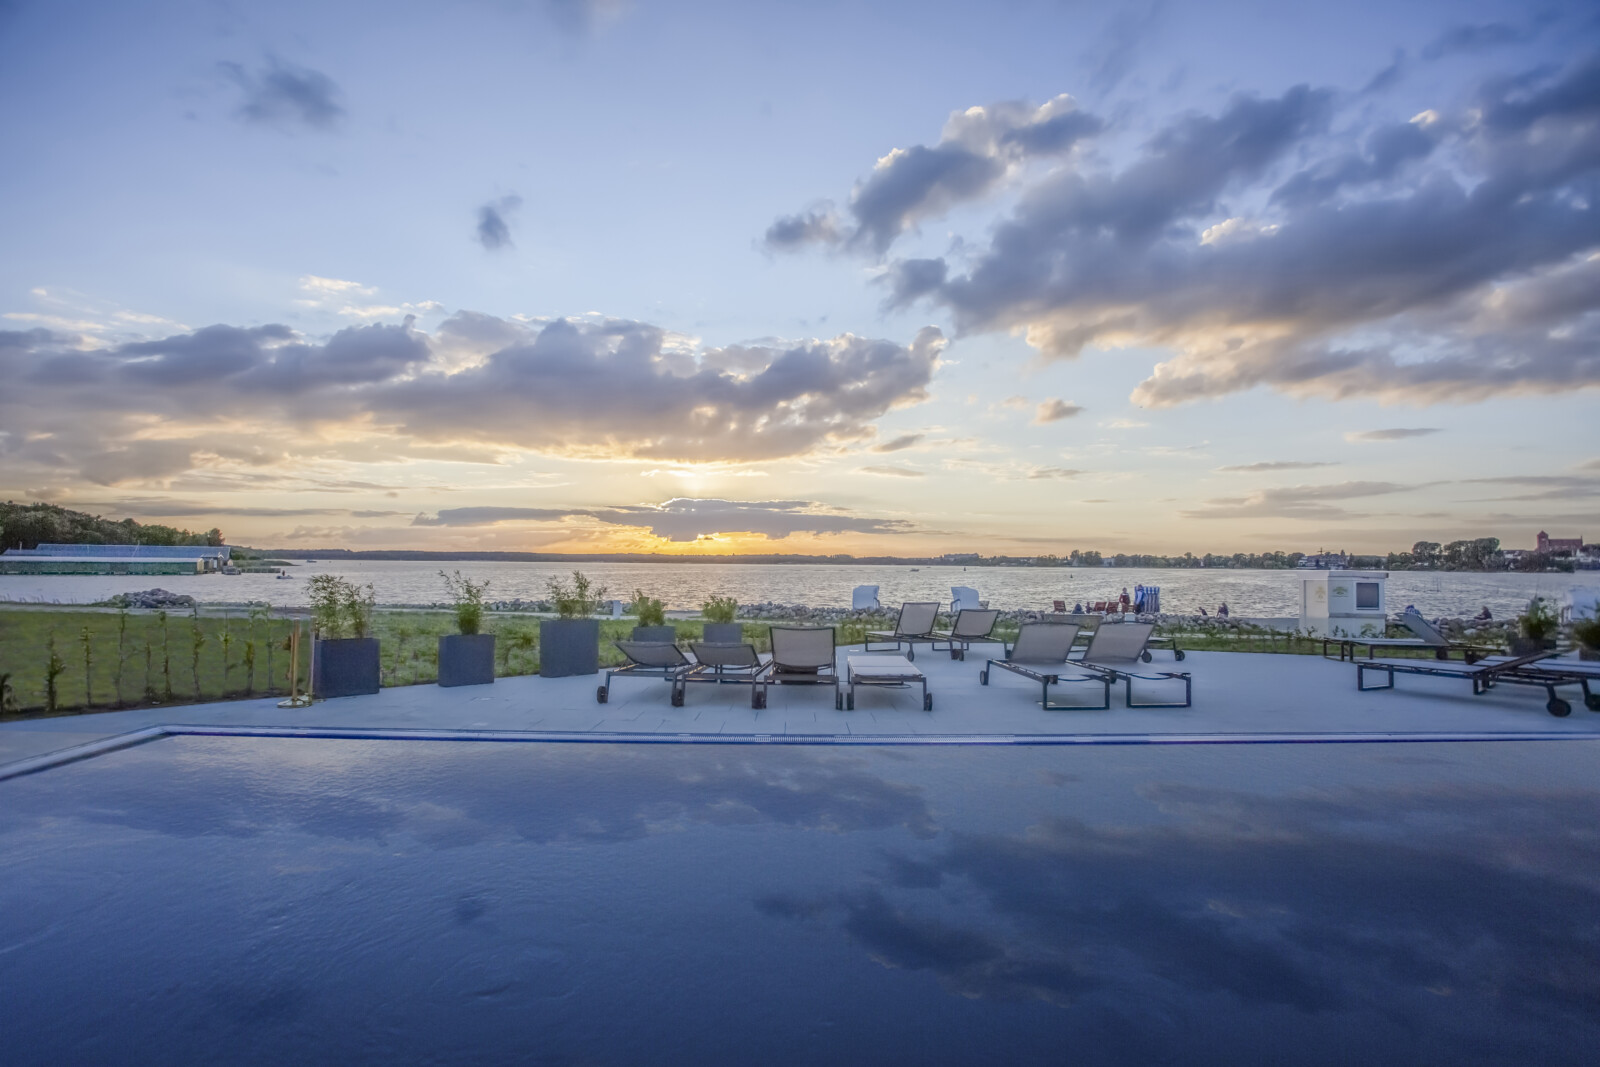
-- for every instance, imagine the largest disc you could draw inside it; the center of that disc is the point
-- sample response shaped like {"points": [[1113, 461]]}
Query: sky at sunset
{"points": [[1010, 278]]}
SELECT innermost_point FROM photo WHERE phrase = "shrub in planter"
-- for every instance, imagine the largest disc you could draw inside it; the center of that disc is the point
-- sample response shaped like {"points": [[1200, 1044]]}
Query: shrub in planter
{"points": [[344, 655], [1586, 632], [719, 612], [652, 619], [570, 644], [1538, 626], [466, 658]]}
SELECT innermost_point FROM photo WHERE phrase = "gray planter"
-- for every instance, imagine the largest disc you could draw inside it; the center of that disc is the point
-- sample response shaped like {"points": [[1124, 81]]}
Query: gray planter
{"points": [[1588, 653], [344, 667], [664, 634], [1527, 646], [568, 647], [724, 633], [466, 659]]}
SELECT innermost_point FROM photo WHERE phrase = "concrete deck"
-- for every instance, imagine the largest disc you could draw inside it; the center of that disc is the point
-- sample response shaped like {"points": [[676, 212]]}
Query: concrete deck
{"points": [[1234, 694]]}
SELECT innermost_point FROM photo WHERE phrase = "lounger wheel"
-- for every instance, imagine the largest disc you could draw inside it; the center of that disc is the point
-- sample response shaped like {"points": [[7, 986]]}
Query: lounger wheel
{"points": [[758, 700], [955, 654], [927, 702], [602, 694], [1559, 708], [850, 702], [1178, 655], [1146, 656], [983, 676], [911, 653]]}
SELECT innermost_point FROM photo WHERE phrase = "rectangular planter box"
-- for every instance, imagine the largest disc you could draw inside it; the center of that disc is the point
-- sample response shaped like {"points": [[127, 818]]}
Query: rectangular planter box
{"points": [[466, 659], [1525, 646], [664, 634], [568, 647], [345, 667], [724, 633]]}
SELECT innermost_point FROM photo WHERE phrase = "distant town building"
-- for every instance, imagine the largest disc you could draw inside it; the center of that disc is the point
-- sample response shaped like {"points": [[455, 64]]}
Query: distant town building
{"points": [[115, 559], [1548, 545], [1324, 561]]}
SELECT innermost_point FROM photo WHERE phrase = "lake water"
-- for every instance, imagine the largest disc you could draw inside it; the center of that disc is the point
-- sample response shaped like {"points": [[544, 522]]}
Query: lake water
{"points": [[242, 901], [686, 585]]}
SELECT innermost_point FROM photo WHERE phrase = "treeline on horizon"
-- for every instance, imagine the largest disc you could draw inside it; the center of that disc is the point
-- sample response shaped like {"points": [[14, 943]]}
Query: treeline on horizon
{"points": [[32, 525]]}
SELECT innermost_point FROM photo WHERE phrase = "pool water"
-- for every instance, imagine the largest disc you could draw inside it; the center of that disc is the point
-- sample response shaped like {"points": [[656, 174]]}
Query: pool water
{"points": [[268, 900]]}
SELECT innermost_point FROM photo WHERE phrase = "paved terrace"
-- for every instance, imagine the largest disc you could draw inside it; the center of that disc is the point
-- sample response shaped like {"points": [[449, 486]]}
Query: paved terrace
{"points": [[1234, 694]]}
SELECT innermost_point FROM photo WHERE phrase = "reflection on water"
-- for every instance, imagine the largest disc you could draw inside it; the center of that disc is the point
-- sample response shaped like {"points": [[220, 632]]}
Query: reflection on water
{"points": [[245, 899], [687, 585]]}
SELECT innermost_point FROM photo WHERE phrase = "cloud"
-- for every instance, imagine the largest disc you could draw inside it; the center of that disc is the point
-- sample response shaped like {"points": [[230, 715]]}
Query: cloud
{"points": [[1447, 256], [1054, 410], [1397, 433], [1041, 473], [474, 390], [1279, 465], [583, 17], [977, 149], [1294, 502], [904, 441], [284, 95], [685, 518], [894, 472], [493, 231]]}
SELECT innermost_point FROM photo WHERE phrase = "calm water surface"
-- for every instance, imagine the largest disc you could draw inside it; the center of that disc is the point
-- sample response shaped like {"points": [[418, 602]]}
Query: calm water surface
{"points": [[208, 900], [686, 585]]}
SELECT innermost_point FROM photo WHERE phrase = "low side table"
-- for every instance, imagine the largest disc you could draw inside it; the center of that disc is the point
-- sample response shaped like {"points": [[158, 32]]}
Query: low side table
{"points": [[886, 672]]}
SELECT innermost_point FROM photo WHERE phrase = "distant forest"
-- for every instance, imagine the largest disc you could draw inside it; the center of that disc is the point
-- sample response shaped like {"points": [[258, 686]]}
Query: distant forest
{"points": [[31, 525]]}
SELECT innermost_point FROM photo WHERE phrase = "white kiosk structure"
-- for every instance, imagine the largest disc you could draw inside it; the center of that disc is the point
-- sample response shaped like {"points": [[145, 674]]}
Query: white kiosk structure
{"points": [[1343, 603]]}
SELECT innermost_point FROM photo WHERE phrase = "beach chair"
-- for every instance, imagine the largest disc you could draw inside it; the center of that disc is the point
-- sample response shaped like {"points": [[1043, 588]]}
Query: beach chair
{"points": [[719, 664], [649, 659], [972, 627], [801, 655], [1483, 675], [963, 598], [1040, 654], [1118, 648], [1059, 606], [916, 622], [865, 598]]}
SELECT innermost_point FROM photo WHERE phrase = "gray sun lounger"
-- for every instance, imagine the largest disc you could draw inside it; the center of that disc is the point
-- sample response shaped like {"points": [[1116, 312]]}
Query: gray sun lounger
{"points": [[1118, 648], [726, 664], [1484, 675], [801, 655], [973, 626], [916, 622], [1040, 654], [649, 659], [1427, 639]]}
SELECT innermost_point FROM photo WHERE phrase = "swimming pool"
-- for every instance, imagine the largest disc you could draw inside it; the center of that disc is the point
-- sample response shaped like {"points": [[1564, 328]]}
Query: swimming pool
{"points": [[269, 900]]}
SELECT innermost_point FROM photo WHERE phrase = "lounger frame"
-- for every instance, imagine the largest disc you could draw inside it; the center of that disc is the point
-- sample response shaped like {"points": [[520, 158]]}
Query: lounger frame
{"points": [[674, 673]]}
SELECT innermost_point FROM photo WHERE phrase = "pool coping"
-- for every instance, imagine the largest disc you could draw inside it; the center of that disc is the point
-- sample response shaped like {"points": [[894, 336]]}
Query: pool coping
{"points": [[133, 738]]}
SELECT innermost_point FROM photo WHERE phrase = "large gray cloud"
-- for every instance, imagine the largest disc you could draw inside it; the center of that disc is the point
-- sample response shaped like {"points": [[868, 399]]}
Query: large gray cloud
{"points": [[684, 518], [978, 148], [148, 410], [1446, 256], [284, 95]]}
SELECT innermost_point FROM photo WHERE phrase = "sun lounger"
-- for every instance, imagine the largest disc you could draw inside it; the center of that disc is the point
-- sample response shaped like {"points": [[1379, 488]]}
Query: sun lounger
{"points": [[1040, 654], [883, 672], [801, 655], [718, 664], [649, 659], [916, 622], [1428, 638], [972, 627], [1118, 648], [1484, 675]]}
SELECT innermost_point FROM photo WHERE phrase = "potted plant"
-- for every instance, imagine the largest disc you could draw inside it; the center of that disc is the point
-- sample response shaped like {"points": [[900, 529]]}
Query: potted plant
{"points": [[467, 657], [719, 613], [1538, 626], [652, 619], [570, 643], [1586, 632], [344, 654]]}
